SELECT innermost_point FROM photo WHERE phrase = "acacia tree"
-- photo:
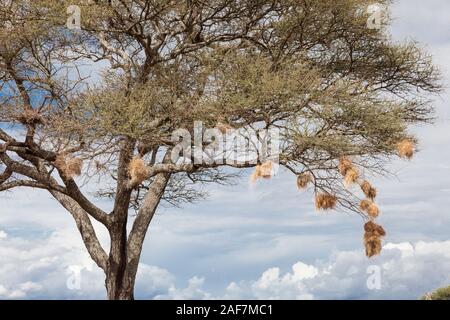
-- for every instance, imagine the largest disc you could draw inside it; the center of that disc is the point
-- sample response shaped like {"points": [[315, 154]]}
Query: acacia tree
{"points": [[103, 101]]}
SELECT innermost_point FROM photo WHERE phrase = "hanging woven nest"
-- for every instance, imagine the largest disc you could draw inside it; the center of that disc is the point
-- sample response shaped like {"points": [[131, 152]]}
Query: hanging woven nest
{"points": [[138, 171], [351, 177], [369, 191], [303, 180], [369, 207], [345, 164], [325, 201], [264, 171], [372, 238], [70, 166], [405, 149]]}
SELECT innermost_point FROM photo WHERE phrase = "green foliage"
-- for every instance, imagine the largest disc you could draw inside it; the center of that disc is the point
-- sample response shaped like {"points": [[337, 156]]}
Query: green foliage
{"points": [[312, 69], [439, 294]]}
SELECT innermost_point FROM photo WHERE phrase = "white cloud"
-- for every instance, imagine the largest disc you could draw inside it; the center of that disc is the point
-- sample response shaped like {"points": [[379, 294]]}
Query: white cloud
{"points": [[152, 280], [426, 20], [49, 267], [58, 267], [20, 291], [3, 234], [193, 291], [39, 267], [407, 272]]}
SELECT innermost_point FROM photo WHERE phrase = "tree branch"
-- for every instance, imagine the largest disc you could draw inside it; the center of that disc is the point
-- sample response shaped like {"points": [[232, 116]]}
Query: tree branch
{"points": [[31, 184], [75, 193], [144, 217], [86, 229]]}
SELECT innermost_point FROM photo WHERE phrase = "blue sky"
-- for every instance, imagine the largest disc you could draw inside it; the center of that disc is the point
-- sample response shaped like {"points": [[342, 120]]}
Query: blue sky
{"points": [[266, 240]]}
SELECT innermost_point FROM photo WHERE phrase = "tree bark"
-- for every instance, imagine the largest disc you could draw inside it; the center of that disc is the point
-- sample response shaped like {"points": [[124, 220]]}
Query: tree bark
{"points": [[119, 285], [126, 250]]}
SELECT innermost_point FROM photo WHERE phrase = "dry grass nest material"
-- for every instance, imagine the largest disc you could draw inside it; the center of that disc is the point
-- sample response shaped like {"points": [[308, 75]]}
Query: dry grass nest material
{"points": [[348, 171], [303, 180], [345, 164], [405, 148], [351, 176], [138, 171], [264, 171], [70, 166], [372, 238], [30, 117], [369, 191], [325, 201], [369, 207]]}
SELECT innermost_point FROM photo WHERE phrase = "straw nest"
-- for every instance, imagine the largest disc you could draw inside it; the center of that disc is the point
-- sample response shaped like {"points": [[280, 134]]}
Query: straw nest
{"points": [[373, 246], [345, 164], [138, 171], [405, 148], [264, 171], [70, 166], [30, 117], [372, 238], [365, 204], [325, 201], [348, 171], [303, 180], [369, 207], [373, 228], [368, 190], [351, 176], [74, 167]]}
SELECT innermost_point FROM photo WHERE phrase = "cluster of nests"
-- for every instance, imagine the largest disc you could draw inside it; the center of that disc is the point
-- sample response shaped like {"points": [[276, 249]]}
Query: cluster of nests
{"points": [[139, 172], [327, 201], [373, 232], [351, 175]]}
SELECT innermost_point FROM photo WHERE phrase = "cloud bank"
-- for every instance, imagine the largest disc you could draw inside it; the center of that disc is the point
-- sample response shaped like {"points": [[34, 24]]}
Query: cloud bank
{"points": [[56, 268]]}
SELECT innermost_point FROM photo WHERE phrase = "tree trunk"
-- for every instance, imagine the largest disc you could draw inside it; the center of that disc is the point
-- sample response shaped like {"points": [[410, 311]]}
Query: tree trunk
{"points": [[119, 281], [119, 286], [125, 252]]}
